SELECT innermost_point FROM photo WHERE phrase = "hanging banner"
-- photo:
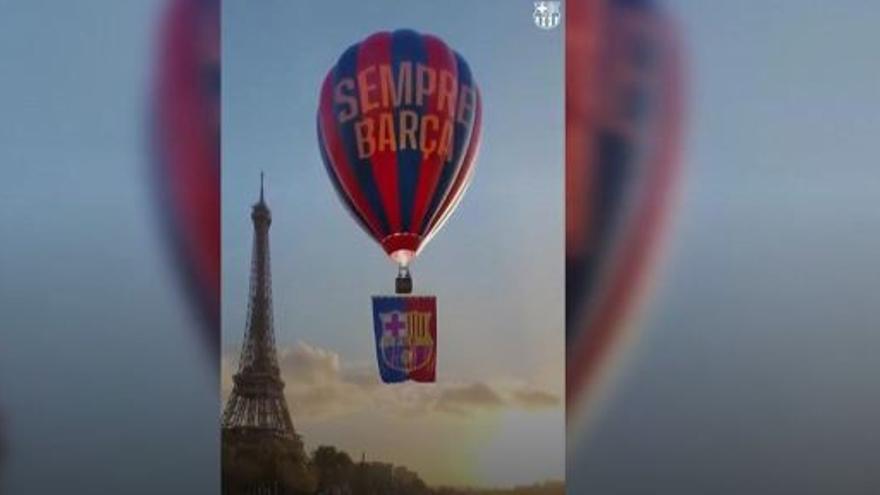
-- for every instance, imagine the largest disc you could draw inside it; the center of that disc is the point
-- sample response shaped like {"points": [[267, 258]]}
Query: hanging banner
{"points": [[406, 337]]}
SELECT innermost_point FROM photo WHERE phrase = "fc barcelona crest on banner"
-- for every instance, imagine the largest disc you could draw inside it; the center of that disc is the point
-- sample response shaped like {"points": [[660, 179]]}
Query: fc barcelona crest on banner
{"points": [[406, 337]]}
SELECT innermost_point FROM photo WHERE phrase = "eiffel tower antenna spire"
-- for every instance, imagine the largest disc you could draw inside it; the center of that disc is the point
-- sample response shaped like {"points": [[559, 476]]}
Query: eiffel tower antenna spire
{"points": [[261, 186]]}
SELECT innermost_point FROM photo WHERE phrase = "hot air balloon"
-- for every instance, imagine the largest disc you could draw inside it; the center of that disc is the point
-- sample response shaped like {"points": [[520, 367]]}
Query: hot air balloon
{"points": [[623, 121], [399, 128]]}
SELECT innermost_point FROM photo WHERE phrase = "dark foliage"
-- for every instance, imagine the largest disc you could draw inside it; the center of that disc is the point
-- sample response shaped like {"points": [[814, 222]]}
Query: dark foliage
{"points": [[250, 462]]}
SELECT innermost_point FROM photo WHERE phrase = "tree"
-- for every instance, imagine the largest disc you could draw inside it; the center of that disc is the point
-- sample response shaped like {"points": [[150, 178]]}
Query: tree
{"points": [[334, 470], [250, 462]]}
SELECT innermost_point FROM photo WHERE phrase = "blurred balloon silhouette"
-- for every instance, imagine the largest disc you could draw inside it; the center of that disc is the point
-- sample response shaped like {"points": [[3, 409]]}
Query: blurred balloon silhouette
{"points": [[186, 150], [623, 114]]}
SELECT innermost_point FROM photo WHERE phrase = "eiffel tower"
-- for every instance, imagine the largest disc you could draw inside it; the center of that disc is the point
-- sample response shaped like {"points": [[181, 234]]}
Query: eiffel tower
{"points": [[262, 453]]}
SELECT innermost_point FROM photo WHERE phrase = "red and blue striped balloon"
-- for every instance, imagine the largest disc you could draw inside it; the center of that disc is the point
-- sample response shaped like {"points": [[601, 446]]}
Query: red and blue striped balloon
{"points": [[399, 128], [624, 112], [185, 138]]}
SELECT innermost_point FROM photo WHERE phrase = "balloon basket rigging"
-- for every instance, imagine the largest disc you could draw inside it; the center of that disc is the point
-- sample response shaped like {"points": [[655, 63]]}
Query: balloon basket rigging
{"points": [[403, 284]]}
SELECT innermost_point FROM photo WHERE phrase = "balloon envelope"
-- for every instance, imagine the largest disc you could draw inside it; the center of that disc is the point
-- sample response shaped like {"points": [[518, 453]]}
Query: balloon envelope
{"points": [[623, 119], [398, 128], [185, 135]]}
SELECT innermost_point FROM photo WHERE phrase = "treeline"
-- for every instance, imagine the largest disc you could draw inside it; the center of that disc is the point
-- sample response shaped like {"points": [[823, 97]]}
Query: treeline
{"points": [[546, 488], [275, 465], [337, 473]]}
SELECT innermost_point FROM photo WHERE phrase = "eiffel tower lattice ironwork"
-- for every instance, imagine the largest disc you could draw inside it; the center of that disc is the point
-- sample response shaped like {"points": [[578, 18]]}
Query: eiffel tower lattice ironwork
{"points": [[257, 403]]}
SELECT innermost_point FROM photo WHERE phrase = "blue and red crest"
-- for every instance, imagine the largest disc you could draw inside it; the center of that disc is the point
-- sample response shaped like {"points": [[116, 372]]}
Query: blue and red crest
{"points": [[406, 337]]}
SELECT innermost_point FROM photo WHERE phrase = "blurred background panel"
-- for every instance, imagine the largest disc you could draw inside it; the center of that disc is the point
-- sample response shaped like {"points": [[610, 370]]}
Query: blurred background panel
{"points": [[751, 365], [108, 381]]}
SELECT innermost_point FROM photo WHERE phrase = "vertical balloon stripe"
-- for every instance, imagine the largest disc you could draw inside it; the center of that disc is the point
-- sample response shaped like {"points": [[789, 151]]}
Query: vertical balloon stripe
{"points": [[338, 160], [614, 171], [612, 160], [352, 210], [407, 46], [461, 181], [374, 52], [362, 167], [463, 135], [441, 59]]}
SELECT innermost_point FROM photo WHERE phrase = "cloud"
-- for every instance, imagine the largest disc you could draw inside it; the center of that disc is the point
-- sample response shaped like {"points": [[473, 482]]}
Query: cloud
{"points": [[320, 386], [459, 399], [463, 399], [308, 365], [317, 386], [532, 398]]}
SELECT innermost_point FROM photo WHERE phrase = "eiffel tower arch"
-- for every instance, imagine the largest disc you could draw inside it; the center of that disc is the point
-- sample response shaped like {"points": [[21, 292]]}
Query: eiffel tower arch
{"points": [[261, 452]]}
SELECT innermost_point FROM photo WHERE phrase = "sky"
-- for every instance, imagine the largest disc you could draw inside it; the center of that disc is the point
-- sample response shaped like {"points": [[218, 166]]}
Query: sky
{"points": [[495, 417]]}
